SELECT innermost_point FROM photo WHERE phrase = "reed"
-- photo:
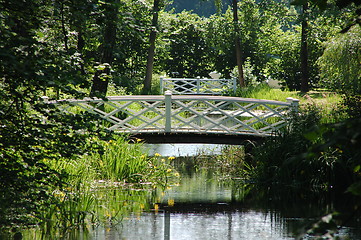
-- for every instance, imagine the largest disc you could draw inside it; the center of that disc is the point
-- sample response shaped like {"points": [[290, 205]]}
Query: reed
{"points": [[104, 186]]}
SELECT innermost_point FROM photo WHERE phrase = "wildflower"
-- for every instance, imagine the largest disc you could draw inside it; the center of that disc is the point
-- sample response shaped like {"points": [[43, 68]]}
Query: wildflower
{"points": [[157, 155], [171, 158], [170, 202], [139, 140], [156, 207], [169, 170], [176, 174], [162, 160]]}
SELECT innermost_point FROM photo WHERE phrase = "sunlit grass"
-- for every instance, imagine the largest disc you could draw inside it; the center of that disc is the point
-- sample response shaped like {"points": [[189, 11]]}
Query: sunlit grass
{"points": [[324, 100]]}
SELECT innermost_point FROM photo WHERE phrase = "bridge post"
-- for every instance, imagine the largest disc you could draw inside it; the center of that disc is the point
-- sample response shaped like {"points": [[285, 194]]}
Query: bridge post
{"points": [[161, 85], [234, 85], [168, 111], [294, 103], [198, 85]]}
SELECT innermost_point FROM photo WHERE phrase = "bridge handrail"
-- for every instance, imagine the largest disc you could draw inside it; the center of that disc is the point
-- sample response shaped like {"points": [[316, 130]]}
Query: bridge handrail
{"points": [[203, 86], [186, 113], [174, 97]]}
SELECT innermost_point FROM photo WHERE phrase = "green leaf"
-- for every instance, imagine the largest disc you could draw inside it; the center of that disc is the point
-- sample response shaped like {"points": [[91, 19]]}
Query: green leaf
{"points": [[299, 2], [355, 188]]}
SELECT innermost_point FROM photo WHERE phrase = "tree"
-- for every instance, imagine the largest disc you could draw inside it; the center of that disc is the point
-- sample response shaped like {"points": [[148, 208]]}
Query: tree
{"points": [[151, 50], [32, 134], [304, 49], [238, 44], [323, 5], [102, 75], [311, 19], [340, 63], [186, 49]]}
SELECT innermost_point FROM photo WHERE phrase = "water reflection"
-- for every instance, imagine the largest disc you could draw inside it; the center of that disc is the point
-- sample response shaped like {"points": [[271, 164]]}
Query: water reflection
{"points": [[223, 225], [184, 150], [204, 207]]}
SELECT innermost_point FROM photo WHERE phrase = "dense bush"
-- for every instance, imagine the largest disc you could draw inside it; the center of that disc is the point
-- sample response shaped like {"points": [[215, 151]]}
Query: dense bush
{"points": [[277, 158], [313, 155]]}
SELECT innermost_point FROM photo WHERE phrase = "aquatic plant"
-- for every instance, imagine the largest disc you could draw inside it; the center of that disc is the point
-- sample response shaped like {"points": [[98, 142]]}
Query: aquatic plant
{"points": [[103, 187]]}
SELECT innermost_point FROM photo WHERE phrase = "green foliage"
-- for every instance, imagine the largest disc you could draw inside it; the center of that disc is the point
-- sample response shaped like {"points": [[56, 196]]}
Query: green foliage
{"points": [[104, 204], [126, 162], [314, 152], [342, 139], [260, 31], [31, 134], [277, 158], [56, 47], [187, 51], [342, 4], [87, 199], [341, 61]]}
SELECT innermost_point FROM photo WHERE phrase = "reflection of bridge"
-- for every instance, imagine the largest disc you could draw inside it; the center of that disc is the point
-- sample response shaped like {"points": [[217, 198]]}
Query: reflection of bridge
{"points": [[179, 116]]}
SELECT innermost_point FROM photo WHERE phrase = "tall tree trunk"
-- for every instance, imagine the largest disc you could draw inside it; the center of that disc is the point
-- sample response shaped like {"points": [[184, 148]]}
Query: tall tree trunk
{"points": [[304, 50], [151, 51], [63, 28], [238, 44], [102, 75]]}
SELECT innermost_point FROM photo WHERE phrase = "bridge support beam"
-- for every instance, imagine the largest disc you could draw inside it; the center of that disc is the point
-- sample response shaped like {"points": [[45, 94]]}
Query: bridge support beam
{"points": [[198, 138], [168, 111]]}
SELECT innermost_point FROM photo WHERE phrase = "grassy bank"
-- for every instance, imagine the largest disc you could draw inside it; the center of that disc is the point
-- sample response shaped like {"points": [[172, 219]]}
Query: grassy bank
{"points": [[318, 149]]}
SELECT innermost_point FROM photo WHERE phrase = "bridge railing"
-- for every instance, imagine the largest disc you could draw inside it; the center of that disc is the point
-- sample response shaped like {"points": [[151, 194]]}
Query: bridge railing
{"points": [[201, 86], [186, 113]]}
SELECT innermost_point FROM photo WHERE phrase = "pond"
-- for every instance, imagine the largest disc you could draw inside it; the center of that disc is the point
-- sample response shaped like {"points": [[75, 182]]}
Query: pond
{"points": [[205, 205]]}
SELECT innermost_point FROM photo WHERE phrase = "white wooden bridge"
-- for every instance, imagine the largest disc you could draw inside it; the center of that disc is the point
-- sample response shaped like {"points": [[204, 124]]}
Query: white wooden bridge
{"points": [[200, 86], [186, 115]]}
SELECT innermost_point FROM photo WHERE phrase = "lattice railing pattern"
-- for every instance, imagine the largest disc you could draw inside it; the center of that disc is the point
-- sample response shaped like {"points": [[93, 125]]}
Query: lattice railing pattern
{"points": [[186, 113], [198, 86]]}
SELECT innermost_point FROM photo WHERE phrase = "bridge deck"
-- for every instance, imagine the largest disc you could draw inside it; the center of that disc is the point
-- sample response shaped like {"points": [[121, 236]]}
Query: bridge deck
{"points": [[188, 137]]}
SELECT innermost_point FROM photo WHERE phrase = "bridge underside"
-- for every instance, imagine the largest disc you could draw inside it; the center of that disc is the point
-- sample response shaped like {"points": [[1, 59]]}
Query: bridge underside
{"points": [[197, 138]]}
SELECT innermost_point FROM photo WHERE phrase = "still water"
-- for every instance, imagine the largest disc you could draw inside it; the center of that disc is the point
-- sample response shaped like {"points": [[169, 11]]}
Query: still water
{"points": [[205, 206], [184, 150], [202, 208]]}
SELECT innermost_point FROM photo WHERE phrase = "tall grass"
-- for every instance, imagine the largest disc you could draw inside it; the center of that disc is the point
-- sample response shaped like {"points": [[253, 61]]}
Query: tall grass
{"points": [[277, 158], [89, 197]]}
